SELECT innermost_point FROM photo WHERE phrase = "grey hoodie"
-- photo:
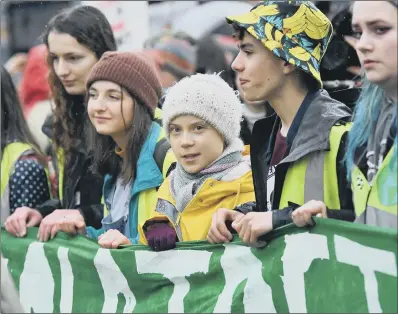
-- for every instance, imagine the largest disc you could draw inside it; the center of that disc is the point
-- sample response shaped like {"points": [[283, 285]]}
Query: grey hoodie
{"points": [[314, 127], [309, 132]]}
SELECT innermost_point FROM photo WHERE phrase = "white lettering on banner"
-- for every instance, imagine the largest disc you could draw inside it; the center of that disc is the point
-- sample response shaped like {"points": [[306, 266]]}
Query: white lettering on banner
{"points": [[175, 266], [239, 264], [36, 284], [270, 185], [67, 280], [301, 249], [113, 282], [369, 260]]}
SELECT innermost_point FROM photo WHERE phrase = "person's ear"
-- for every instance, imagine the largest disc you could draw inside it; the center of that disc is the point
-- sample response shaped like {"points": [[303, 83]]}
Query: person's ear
{"points": [[288, 68]]}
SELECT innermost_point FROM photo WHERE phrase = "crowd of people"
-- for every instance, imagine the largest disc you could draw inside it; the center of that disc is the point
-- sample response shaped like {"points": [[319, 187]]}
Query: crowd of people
{"points": [[192, 140]]}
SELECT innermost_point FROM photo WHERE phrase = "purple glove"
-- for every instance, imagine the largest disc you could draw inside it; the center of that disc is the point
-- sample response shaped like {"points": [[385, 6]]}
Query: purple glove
{"points": [[161, 237]]}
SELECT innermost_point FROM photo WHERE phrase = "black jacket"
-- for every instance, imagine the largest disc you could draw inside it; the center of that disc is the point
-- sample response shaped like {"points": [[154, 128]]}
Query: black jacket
{"points": [[245, 133], [309, 132], [77, 178]]}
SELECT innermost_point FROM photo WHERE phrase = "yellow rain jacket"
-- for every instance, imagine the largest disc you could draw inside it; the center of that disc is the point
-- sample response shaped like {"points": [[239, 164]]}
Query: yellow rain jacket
{"points": [[194, 221]]}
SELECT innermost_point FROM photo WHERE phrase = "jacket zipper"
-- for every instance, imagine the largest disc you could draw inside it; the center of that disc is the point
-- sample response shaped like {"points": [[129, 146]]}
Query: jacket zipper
{"points": [[175, 226]]}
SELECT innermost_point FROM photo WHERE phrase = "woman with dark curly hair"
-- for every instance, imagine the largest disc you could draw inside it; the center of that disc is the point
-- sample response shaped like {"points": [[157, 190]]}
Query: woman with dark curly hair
{"points": [[76, 39]]}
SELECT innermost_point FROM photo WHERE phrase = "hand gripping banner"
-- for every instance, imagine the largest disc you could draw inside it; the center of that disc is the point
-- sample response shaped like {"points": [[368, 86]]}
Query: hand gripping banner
{"points": [[332, 267]]}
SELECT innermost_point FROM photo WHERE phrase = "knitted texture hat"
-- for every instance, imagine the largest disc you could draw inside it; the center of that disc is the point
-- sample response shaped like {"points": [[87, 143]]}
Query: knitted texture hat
{"points": [[175, 56], [295, 31], [131, 71], [208, 97], [173, 48]]}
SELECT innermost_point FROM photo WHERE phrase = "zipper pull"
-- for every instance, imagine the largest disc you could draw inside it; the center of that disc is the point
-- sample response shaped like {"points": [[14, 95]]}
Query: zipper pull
{"points": [[178, 219]]}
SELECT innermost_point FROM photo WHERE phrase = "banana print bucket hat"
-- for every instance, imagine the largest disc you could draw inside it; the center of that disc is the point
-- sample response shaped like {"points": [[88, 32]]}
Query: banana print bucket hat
{"points": [[296, 31]]}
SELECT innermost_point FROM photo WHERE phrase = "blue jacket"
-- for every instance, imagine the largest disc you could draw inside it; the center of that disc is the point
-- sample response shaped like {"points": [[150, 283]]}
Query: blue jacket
{"points": [[148, 178]]}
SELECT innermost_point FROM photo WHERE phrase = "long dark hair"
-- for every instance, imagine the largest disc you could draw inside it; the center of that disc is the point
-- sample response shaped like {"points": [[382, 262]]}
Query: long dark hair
{"points": [[91, 29], [13, 124], [102, 147]]}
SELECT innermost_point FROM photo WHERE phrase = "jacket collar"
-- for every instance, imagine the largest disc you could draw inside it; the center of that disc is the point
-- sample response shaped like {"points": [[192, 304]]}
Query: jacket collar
{"points": [[310, 130], [298, 118], [148, 173]]}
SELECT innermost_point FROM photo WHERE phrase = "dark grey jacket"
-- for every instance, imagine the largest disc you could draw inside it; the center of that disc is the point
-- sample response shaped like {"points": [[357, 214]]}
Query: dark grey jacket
{"points": [[308, 133]]}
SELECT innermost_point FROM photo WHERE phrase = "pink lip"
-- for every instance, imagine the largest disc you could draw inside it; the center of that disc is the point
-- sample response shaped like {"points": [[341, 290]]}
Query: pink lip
{"points": [[190, 157], [68, 83], [368, 61], [101, 119], [242, 82]]}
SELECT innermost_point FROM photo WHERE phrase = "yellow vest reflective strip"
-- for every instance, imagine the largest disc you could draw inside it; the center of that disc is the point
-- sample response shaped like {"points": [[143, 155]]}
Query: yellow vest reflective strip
{"points": [[315, 177], [377, 204]]}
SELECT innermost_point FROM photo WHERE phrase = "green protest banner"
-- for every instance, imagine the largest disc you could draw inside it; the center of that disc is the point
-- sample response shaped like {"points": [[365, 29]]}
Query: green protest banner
{"points": [[333, 267]]}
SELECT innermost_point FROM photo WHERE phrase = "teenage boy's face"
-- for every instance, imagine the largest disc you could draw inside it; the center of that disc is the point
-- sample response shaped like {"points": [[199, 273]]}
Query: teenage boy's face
{"points": [[195, 143], [259, 72]]}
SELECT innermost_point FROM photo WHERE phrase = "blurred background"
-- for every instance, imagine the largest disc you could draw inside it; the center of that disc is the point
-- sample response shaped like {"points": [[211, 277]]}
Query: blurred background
{"points": [[142, 24]]}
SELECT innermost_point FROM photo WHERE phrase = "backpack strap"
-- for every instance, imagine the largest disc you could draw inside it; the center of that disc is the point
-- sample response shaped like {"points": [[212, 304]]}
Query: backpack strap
{"points": [[161, 149]]}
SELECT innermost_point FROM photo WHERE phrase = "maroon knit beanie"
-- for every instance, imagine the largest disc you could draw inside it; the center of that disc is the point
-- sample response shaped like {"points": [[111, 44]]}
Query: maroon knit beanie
{"points": [[131, 71]]}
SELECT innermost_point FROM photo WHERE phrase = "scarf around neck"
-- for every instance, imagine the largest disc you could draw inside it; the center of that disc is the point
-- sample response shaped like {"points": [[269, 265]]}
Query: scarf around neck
{"points": [[184, 185]]}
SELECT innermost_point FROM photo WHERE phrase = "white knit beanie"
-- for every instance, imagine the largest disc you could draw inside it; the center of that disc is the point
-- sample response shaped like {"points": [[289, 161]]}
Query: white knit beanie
{"points": [[208, 97]]}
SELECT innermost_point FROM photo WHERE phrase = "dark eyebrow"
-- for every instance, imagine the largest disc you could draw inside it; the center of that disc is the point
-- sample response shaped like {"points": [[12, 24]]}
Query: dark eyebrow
{"points": [[109, 90], [173, 125], [370, 23], [375, 22], [68, 54], [113, 91], [245, 46]]}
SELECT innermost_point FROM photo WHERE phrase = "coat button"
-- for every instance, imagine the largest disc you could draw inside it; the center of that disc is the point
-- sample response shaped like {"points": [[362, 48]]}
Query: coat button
{"points": [[211, 184], [201, 200]]}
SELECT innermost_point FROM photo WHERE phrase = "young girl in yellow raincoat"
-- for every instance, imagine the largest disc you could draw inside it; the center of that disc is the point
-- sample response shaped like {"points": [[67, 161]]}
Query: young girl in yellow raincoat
{"points": [[201, 117]]}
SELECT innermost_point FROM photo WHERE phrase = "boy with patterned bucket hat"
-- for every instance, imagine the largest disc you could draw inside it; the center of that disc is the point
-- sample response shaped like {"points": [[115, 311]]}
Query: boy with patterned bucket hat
{"points": [[295, 31], [296, 155]]}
